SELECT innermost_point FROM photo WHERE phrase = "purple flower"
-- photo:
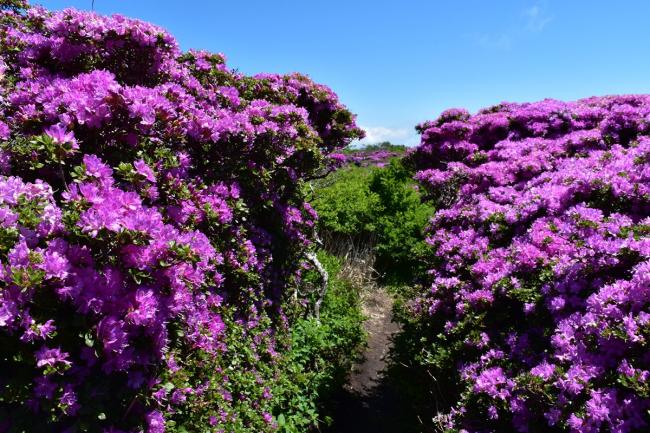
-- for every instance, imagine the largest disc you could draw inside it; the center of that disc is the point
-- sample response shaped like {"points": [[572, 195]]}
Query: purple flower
{"points": [[120, 273], [143, 169], [44, 387], [46, 357], [155, 422], [493, 382], [69, 400], [4, 131], [61, 135], [544, 370], [541, 223]]}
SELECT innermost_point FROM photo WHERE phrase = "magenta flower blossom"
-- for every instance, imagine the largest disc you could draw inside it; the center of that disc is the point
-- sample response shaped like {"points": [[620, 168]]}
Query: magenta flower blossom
{"points": [[155, 422], [46, 357], [542, 252], [543, 370], [61, 135], [143, 169], [4, 131]]}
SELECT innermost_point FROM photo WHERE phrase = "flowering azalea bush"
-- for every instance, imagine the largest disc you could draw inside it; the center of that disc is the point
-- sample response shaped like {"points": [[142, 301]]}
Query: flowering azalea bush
{"points": [[373, 155], [537, 306], [152, 226], [379, 158]]}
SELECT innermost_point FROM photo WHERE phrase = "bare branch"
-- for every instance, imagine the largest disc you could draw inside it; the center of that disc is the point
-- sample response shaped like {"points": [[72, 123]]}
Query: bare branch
{"points": [[311, 256]]}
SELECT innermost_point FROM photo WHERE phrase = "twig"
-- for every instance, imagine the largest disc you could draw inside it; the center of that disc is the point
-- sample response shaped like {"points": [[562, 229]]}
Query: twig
{"points": [[128, 409], [311, 256], [322, 175]]}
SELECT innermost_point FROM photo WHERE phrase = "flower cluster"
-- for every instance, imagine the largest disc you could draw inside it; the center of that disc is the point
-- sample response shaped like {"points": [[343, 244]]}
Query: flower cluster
{"points": [[538, 293], [151, 224], [377, 158]]}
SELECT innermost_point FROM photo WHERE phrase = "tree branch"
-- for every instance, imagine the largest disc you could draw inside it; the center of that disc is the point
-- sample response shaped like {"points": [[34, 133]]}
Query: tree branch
{"points": [[311, 256]]}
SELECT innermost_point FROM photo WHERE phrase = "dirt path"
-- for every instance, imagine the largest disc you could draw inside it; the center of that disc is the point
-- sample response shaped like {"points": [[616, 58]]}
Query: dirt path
{"points": [[377, 307], [369, 403]]}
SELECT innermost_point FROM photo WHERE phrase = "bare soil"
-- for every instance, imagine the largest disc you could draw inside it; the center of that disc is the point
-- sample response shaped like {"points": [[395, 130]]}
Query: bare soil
{"points": [[367, 376], [370, 402]]}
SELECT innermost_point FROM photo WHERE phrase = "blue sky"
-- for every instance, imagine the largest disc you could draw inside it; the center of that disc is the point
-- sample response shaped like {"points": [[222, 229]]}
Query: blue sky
{"points": [[397, 63]]}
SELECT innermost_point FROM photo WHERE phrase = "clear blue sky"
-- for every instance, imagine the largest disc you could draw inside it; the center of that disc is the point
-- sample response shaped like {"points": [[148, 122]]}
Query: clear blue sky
{"points": [[397, 63]]}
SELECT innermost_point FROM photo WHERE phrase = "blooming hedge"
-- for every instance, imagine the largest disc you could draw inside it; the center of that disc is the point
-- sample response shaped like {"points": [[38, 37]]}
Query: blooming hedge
{"points": [[151, 225], [537, 303], [376, 158]]}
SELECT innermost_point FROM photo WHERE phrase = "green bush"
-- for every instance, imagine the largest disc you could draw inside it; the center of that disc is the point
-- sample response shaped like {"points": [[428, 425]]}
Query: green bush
{"points": [[344, 202], [378, 205], [400, 218], [384, 145], [320, 356]]}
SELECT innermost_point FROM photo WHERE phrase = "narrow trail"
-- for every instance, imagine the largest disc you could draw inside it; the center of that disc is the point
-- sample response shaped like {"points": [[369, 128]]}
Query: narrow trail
{"points": [[369, 402], [377, 307]]}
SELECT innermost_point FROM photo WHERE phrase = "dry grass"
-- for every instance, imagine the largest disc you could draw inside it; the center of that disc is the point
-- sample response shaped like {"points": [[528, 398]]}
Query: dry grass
{"points": [[357, 256]]}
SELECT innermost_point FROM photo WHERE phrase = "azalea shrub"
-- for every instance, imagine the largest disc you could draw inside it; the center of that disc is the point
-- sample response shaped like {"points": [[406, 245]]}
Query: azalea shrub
{"points": [[535, 313], [153, 228], [371, 155]]}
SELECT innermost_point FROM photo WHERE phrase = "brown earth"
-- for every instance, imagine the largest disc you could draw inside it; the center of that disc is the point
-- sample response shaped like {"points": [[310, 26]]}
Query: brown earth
{"points": [[377, 307], [370, 402]]}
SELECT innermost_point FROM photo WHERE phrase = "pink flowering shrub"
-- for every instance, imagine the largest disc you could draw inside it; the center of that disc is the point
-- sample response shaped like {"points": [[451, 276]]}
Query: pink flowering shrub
{"points": [[374, 155], [537, 305], [377, 158], [152, 225]]}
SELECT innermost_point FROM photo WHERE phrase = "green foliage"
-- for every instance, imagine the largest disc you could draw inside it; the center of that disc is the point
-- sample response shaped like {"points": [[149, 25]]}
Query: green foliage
{"points": [[370, 148], [239, 385], [381, 204], [400, 220], [320, 356], [315, 358], [344, 202], [40, 150]]}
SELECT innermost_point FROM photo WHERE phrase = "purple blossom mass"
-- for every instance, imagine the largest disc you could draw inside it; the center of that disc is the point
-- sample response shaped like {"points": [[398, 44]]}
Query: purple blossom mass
{"points": [[151, 225], [537, 304], [154, 235]]}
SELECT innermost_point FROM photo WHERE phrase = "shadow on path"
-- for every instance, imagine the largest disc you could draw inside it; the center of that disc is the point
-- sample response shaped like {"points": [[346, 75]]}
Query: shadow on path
{"points": [[381, 411], [371, 402]]}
